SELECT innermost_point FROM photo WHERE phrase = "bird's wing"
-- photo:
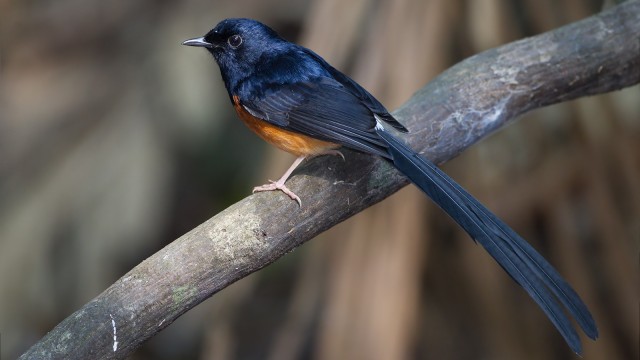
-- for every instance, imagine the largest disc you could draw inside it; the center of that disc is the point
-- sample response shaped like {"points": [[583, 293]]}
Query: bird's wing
{"points": [[361, 93], [322, 109]]}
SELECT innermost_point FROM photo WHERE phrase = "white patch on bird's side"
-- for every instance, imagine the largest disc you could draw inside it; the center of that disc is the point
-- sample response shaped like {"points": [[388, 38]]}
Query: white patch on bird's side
{"points": [[115, 338], [379, 126]]}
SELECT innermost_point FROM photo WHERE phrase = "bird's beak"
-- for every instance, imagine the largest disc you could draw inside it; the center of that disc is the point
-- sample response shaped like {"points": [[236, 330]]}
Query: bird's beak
{"points": [[201, 42]]}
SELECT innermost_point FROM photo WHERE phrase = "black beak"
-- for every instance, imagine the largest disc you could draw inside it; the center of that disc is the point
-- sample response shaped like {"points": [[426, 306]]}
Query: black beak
{"points": [[201, 42]]}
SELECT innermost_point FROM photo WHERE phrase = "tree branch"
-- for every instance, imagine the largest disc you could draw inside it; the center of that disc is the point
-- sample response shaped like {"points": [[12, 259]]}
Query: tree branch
{"points": [[461, 106]]}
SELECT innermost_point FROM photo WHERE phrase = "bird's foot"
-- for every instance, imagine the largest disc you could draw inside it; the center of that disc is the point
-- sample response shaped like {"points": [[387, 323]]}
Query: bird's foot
{"points": [[277, 185]]}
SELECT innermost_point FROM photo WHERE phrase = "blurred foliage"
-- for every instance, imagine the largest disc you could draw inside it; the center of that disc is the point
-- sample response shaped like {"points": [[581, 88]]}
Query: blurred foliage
{"points": [[114, 140]]}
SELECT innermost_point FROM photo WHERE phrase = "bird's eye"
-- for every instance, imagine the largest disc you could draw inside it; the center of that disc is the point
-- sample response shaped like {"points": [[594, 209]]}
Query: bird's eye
{"points": [[234, 41]]}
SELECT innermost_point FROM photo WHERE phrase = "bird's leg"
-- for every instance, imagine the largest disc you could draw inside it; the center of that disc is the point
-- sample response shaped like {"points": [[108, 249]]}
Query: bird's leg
{"points": [[279, 185]]}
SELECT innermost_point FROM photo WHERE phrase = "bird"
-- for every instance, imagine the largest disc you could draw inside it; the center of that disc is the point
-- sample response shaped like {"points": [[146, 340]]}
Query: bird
{"points": [[293, 99]]}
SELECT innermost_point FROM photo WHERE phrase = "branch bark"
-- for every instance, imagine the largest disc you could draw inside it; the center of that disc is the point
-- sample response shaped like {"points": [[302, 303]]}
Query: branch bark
{"points": [[461, 106]]}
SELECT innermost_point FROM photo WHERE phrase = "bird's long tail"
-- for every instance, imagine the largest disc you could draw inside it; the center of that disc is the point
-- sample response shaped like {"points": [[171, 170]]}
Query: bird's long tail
{"points": [[519, 259]]}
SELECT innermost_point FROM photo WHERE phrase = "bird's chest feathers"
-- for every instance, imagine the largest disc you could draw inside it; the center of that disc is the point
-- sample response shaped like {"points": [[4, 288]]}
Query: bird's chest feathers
{"points": [[291, 142]]}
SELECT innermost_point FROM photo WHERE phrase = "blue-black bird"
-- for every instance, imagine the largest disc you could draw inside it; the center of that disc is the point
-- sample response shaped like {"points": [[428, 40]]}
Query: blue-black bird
{"points": [[295, 100]]}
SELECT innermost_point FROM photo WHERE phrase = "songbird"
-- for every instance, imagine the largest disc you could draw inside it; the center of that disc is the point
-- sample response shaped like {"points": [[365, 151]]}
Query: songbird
{"points": [[295, 100]]}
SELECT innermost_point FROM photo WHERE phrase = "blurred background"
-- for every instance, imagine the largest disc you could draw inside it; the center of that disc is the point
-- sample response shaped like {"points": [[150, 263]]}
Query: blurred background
{"points": [[115, 140]]}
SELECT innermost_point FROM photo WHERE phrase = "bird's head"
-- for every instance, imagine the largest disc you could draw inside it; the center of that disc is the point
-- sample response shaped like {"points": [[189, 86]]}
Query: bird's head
{"points": [[237, 46]]}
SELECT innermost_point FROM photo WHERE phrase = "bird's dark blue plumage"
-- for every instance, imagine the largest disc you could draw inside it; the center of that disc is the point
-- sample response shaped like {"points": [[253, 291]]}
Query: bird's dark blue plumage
{"points": [[293, 98]]}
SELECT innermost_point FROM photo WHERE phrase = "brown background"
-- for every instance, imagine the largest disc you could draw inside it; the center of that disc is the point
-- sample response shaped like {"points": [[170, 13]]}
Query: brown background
{"points": [[114, 140]]}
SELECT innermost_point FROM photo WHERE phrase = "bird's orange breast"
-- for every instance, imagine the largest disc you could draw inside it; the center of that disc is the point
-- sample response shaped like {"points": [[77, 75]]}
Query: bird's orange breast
{"points": [[294, 143]]}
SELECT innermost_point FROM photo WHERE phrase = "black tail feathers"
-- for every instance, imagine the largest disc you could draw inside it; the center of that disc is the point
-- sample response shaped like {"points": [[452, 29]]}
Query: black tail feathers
{"points": [[512, 252]]}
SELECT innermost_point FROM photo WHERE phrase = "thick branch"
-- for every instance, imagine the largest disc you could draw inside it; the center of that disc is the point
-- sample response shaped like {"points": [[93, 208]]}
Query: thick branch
{"points": [[464, 104]]}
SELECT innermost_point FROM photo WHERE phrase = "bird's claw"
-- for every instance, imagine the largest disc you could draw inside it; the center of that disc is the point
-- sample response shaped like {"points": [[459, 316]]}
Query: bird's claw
{"points": [[273, 186]]}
